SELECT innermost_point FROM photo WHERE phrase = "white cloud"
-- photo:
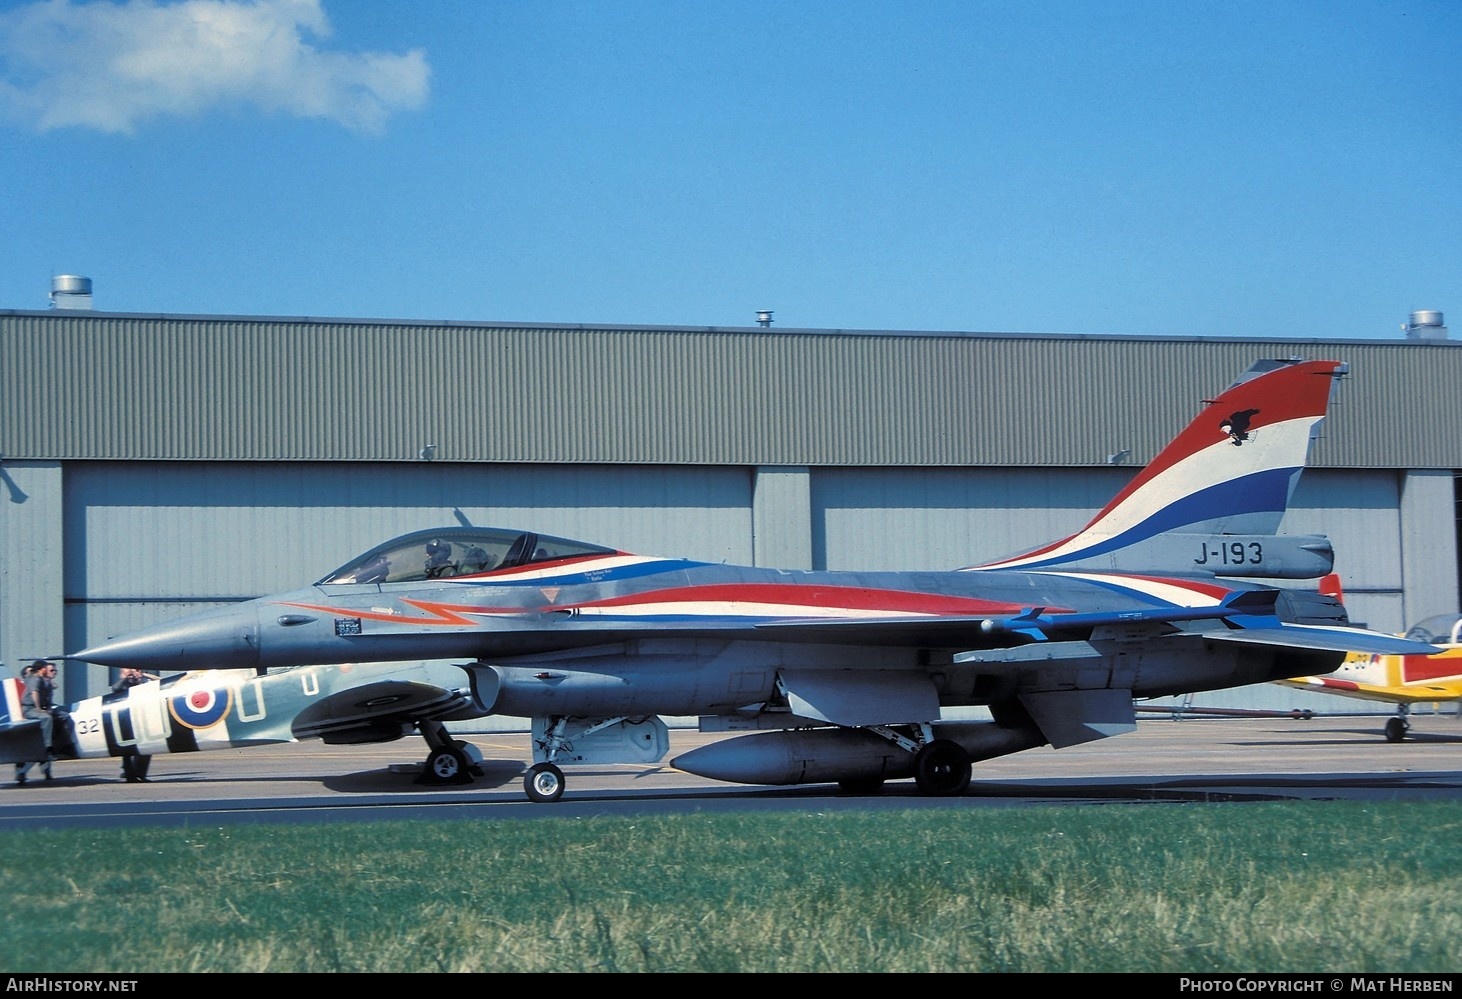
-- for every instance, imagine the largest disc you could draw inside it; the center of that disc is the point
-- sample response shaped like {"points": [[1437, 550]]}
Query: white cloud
{"points": [[111, 66]]}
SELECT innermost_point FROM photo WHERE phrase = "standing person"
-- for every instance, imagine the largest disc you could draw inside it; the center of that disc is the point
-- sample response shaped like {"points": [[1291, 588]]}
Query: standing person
{"points": [[134, 765], [36, 703]]}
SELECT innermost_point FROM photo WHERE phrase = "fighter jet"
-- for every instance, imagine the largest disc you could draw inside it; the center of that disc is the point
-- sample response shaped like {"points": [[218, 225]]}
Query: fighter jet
{"points": [[1180, 584]]}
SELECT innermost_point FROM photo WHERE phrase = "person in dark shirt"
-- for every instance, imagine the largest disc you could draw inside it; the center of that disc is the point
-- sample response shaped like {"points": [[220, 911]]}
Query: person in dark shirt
{"points": [[38, 703], [134, 765]]}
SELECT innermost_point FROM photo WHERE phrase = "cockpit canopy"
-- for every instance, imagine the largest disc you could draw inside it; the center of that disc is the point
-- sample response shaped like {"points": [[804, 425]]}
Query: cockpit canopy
{"points": [[1444, 629], [456, 551]]}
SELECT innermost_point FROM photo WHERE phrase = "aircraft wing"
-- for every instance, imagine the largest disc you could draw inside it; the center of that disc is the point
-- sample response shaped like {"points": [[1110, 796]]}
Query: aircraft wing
{"points": [[21, 742], [381, 711], [1324, 638], [1246, 617], [1411, 694]]}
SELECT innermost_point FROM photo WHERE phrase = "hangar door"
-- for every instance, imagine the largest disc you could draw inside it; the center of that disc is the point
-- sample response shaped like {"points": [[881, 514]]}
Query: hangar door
{"points": [[147, 542]]}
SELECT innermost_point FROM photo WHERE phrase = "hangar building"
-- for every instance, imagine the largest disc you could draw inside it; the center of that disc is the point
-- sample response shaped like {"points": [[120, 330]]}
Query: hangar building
{"points": [[154, 465]]}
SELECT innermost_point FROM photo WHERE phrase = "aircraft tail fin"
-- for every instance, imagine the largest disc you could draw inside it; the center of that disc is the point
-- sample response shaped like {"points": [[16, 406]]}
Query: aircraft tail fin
{"points": [[12, 688], [1211, 502]]}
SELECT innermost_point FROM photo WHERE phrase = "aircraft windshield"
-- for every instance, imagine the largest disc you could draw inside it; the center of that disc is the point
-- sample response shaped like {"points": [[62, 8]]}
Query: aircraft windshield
{"points": [[1440, 630], [456, 551]]}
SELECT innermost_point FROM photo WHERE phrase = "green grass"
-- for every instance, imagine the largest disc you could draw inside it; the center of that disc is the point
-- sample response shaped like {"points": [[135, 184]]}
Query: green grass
{"points": [[1304, 887]]}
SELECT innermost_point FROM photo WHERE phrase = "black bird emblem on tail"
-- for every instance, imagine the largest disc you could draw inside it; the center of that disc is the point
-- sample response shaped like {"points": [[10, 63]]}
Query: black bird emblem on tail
{"points": [[1237, 425]]}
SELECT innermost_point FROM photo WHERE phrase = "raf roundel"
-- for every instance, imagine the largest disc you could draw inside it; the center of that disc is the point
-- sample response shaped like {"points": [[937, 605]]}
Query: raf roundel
{"points": [[200, 708]]}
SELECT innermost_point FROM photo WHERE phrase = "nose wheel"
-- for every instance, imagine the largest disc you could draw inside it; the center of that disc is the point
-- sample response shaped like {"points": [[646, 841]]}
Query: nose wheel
{"points": [[544, 783]]}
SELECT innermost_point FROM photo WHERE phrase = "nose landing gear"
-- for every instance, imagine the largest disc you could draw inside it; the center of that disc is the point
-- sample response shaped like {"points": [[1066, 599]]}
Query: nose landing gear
{"points": [[544, 783]]}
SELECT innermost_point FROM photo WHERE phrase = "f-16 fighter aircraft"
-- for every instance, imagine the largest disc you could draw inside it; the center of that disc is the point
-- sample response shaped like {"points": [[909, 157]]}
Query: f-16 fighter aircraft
{"points": [[1402, 680], [843, 675]]}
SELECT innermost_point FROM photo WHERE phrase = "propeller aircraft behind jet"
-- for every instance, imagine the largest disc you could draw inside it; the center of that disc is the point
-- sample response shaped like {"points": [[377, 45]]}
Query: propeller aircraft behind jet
{"points": [[1176, 586], [1402, 680], [347, 704]]}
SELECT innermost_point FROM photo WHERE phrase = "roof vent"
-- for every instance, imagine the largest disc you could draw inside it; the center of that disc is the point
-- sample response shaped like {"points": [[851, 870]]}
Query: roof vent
{"points": [[70, 291], [1425, 324], [763, 317]]}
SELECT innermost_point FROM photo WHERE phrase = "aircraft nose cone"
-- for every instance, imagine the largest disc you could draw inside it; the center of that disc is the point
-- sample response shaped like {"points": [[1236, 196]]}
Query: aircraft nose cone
{"points": [[222, 639]]}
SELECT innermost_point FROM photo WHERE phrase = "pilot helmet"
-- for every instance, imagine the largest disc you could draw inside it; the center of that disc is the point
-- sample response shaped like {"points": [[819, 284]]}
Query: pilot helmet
{"points": [[436, 544]]}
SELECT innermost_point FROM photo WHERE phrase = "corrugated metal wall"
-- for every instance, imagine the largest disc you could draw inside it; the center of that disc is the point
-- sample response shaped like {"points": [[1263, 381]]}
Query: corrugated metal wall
{"points": [[210, 458], [99, 386], [231, 531]]}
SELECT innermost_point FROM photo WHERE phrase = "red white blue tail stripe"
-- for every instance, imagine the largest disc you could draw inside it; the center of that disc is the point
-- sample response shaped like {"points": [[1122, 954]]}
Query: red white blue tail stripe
{"points": [[1231, 471]]}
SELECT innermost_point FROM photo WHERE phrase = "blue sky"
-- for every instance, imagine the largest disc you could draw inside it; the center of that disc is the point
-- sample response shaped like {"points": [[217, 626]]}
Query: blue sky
{"points": [[1155, 168]]}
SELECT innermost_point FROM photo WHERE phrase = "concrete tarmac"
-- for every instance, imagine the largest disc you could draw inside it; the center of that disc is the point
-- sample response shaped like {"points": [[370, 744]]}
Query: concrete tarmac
{"points": [[1194, 758]]}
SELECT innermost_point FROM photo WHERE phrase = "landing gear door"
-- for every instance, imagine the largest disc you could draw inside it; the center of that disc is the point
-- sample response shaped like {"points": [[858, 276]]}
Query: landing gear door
{"points": [[604, 740]]}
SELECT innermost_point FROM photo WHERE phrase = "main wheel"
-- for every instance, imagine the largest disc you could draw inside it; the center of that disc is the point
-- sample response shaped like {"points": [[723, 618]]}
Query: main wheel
{"points": [[942, 768], [472, 756], [446, 766], [544, 783], [1395, 730]]}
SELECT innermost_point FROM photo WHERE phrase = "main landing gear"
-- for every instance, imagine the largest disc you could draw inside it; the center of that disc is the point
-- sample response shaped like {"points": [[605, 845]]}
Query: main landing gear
{"points": [[1396, 728], [942, 768], [449, 761]]}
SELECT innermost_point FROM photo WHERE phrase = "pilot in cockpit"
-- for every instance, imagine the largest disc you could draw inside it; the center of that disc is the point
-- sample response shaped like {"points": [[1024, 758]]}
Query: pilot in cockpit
{"points": [[438, 558]]}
